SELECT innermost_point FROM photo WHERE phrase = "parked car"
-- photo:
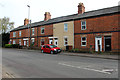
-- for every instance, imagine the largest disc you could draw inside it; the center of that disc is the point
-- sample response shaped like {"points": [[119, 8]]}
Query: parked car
{"points": [[50, 48]]}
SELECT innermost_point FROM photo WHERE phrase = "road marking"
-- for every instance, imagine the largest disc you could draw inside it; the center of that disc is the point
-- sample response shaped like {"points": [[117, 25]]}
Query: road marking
{"points": [[101, 71]]}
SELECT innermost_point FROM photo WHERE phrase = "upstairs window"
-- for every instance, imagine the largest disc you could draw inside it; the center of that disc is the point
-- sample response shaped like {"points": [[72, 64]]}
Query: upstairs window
{"points": [[83, 41], [19, 33], [14, 34], [42, 30], [33, 31], [65, 27], [83, 25]]}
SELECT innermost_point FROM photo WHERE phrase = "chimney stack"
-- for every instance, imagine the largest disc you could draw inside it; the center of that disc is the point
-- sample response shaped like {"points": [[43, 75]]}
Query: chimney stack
{"points": [[47, 16], [81, 8], [26, 21]]}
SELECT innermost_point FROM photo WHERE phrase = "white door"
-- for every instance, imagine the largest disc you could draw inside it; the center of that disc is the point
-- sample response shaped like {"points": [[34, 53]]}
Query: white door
{"points": [[27, 43], [50, 41], [24, 43], [98, 43], [56, 41]]}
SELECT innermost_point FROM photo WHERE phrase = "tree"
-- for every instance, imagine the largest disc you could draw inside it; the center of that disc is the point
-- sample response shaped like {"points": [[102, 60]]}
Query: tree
{"points": [[5, 25], [5, 38]]}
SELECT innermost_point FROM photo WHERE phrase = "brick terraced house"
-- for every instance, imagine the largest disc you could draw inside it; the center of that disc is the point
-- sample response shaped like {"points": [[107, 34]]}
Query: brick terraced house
{"points": [[96, 30]]}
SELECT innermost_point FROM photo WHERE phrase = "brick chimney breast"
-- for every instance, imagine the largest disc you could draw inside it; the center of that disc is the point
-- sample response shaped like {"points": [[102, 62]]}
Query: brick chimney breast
{"points": [[81, 8], [47, 16], [26, 21]]}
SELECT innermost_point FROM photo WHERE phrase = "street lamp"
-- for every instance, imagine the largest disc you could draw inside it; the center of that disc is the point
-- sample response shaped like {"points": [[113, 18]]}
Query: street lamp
{"points": [[29, 24], [28, 11]]}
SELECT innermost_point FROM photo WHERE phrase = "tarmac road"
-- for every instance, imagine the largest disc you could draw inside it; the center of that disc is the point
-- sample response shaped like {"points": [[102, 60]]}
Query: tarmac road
{"points": [[33, 64]]}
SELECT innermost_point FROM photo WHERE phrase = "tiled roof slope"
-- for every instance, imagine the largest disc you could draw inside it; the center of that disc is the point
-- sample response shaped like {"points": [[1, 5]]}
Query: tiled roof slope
{"points": [[94, 13]]}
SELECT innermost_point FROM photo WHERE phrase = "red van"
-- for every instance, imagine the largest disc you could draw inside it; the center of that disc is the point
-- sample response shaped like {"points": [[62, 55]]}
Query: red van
{"points": [[50, 48]]}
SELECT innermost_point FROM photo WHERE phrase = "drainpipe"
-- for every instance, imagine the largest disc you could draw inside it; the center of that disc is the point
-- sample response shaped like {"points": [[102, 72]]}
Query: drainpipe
{"points": [[73, 35], [30, 34], [37, 36]]}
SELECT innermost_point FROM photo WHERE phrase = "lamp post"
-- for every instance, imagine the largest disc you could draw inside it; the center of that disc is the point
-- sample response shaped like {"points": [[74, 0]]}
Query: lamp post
{"points": [[29, 24]]}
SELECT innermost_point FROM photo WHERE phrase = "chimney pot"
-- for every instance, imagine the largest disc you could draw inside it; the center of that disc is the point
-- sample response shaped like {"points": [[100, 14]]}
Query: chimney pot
{"points": [[81, 8], [26, 21], [47, 16]]}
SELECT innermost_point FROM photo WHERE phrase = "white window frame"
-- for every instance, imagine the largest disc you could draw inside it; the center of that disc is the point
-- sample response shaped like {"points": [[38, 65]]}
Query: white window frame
{"points": [[42, 28], [14, 34], [65, 41], [33, 40], [33, 31], [65, 27], [19, 42], [83, 41], [56, 40], [50, 40], [20, 33], [83, 25], [14, 41]]}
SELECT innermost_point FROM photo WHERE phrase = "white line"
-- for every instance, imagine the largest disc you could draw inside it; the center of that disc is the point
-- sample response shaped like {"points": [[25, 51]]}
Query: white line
{"points": [[96, 70], [85, 68]]}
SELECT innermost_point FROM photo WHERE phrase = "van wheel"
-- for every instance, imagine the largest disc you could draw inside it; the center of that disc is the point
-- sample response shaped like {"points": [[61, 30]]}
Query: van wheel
{"points": [[51, 52], [42, 51]]}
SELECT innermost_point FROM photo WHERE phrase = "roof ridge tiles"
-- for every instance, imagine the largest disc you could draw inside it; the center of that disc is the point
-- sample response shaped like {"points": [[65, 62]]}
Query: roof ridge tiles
{"points": [[107, 10]]}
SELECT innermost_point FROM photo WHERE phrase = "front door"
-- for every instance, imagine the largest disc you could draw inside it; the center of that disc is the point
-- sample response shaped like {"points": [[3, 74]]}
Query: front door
{"points": [[98, 44], [27, 43], [24, 43], [56, 41], [107, 43]]}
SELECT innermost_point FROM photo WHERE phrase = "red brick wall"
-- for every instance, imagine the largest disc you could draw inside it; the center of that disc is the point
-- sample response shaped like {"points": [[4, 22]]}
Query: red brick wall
{"points": [[46, 39], [26, 33], [103, 23], [98, 24], [48, 30]]}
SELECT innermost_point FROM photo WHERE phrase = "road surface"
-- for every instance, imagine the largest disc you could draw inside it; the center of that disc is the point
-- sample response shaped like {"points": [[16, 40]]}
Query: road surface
{"points": [[33, 64]]}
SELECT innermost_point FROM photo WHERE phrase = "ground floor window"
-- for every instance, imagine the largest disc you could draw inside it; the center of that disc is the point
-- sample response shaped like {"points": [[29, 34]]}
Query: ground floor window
{"points": [[83, 41], [51, 41], [56, 41], [42, 42], [19, 42], [33, 41], [65, 41], [14, 42]]}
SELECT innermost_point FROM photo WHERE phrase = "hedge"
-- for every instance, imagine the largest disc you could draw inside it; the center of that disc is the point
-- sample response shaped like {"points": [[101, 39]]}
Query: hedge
{"points": [[12, 46], [8, 45]]}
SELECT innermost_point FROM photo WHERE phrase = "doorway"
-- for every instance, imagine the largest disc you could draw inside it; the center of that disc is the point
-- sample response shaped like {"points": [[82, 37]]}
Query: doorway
{"points": [[98, 43], [107, 43], [56, 41]]}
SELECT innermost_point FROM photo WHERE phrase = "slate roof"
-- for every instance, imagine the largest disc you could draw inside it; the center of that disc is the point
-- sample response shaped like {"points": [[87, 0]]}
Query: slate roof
{"points": [[89, 14]]}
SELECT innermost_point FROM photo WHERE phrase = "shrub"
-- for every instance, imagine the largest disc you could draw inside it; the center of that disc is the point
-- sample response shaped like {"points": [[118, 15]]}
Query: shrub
{"points": [[15, 45], [8, 45]]}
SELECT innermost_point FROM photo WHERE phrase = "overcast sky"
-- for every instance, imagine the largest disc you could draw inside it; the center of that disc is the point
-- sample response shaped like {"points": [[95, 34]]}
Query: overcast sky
{"points": [[17, 10]]}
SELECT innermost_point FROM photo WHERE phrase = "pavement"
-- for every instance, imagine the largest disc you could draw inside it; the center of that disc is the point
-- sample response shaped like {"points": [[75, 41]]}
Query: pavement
{"points": [[91, 55], [103, 56], [6, 74]]}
